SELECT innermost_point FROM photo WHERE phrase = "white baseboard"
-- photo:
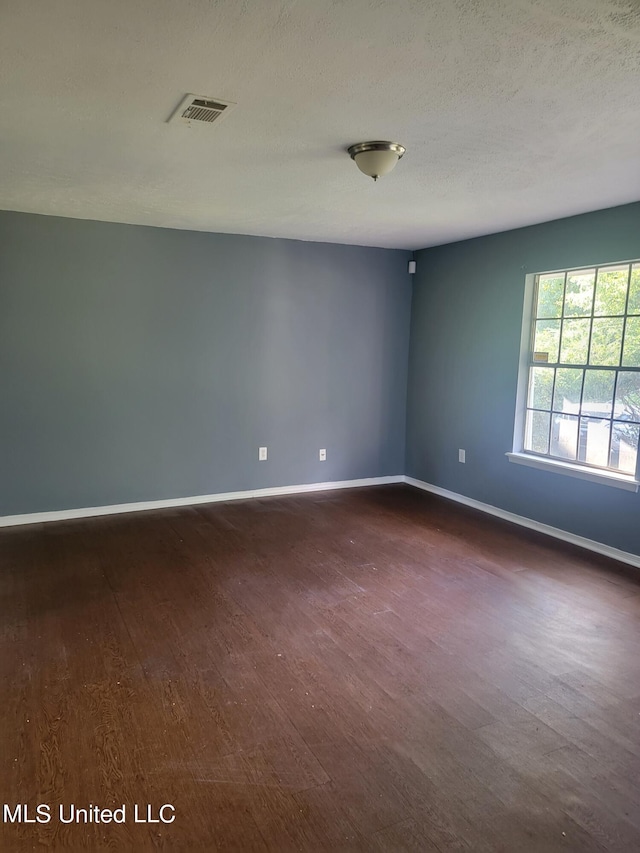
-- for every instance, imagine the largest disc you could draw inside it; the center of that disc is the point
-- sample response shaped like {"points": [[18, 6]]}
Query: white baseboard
{"points": [[141, 506], [556, 532]]}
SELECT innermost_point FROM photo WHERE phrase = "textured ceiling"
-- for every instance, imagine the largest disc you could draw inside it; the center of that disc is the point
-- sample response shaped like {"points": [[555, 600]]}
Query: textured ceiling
{"points": [[512, 112]]}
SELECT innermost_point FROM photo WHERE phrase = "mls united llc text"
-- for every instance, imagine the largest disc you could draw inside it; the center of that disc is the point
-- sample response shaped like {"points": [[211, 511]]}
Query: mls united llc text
{"points": [[44, 813]]}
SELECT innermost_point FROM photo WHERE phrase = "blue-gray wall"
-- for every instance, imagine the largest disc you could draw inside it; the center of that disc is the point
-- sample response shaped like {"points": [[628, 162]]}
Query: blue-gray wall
{"points": [[463, 368], [144, 363]]}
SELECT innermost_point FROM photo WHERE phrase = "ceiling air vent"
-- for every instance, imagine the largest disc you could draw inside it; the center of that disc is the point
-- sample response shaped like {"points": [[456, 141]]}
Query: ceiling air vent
{"points": [[201, 110]]}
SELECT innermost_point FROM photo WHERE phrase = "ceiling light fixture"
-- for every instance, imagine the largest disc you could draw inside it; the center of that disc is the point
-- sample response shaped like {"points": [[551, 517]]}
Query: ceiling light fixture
{"points": [[376, 158]]}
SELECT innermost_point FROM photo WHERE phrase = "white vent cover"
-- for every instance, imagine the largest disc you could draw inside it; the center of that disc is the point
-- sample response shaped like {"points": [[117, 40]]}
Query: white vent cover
{"points": [[200, 109]]}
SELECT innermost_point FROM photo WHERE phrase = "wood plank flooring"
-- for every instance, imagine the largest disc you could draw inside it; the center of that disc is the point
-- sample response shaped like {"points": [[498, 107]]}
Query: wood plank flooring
{"points": [[365, 670]]}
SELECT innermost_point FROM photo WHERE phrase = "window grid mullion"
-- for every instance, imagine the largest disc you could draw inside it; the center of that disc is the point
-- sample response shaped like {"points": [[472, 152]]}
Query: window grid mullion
{"points": [[611, 367], [597, 316], [553, 394], [564, 301], [584, 372], [593, 308], [624, 322], [613, 411]]}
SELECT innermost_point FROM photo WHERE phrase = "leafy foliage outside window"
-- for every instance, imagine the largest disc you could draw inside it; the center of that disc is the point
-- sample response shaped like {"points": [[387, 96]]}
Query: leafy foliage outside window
{"points": [[583, 401]]}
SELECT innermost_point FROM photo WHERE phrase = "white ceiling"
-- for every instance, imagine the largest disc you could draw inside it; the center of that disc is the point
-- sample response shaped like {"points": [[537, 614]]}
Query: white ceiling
{"points": [[512, 112]]}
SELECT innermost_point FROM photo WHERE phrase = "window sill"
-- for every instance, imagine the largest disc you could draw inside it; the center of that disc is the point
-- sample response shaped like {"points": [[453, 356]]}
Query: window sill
{"points": [[605, 478]]}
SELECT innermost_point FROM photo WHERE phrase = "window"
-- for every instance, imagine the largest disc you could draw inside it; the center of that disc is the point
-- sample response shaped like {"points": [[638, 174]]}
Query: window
{"points": [[579, 388]]}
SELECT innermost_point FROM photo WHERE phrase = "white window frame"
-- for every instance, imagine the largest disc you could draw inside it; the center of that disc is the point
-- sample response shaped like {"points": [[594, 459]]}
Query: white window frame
{"points": [[518, 454]]}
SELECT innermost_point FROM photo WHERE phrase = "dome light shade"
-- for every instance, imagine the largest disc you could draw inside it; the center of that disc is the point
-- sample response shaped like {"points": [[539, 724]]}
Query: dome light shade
{"points": [[376, 159]]}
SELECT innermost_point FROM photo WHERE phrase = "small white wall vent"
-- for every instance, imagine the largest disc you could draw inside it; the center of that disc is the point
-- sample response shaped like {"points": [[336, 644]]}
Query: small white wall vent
{"points": [[199, 109]]}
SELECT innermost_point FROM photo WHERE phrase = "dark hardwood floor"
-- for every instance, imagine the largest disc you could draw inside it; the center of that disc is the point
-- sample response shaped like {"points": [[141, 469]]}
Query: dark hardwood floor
{"points": [[365, 670]]}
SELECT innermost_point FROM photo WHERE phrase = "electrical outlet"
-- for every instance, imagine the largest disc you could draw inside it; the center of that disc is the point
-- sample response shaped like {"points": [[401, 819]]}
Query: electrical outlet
{"points": [[462, 456], [262, 454], [322, 454]]}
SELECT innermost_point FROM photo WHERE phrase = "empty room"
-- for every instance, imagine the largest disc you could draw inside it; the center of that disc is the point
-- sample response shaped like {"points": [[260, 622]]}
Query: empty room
{"points": [[319, 426]]}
